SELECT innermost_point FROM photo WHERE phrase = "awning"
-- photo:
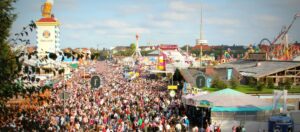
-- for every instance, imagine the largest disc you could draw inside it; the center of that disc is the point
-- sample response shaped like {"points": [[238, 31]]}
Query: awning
{"points": [[159, 71]]}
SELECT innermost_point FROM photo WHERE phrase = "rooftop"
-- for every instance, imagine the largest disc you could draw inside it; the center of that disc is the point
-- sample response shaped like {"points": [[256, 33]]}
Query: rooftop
{"points": [[260, 68], [50, 19]]}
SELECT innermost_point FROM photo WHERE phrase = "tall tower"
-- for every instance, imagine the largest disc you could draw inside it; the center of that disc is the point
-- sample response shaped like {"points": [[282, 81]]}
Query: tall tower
{"points": [[47, 31], [201, 40], [137, 52]]}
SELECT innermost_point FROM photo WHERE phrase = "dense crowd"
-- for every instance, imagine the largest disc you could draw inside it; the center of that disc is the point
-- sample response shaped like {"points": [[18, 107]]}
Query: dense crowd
{"points": [[119, 105]]}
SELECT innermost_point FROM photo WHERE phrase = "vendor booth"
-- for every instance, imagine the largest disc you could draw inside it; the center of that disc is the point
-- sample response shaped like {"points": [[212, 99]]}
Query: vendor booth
{"points": [[228, 104]]}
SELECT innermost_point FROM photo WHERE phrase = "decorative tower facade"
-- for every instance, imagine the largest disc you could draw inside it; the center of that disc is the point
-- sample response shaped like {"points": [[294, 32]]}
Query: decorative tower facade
{"points": [[47, 31]]}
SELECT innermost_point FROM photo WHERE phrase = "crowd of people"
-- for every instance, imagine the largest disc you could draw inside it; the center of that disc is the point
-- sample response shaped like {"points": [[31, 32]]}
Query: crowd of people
{"points": [[118, 105]]}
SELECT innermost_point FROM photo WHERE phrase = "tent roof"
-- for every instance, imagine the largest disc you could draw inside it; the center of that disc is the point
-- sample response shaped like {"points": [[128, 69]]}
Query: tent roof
{"points": [[231, 100], [250, 68]]}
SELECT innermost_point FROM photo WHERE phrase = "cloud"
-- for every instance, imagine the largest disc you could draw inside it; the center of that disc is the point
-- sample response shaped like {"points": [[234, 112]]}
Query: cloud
{"points": [[267, 19], [78, 26], [222, 21], [114, 24], [177, 16], [109, 28], [228, 32], [133, 9], [181, 6]]}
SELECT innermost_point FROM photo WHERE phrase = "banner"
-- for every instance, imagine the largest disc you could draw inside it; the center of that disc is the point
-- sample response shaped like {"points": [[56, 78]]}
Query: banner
{"points": [[184, 89], [172, 87], [229, 73], [277, 95], [284, 100]]}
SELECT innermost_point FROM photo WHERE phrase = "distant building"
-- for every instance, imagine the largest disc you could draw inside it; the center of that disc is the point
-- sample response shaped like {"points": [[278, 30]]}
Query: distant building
{"points": [[168, 47], [277, 71], [147, 48], [120, 48], [205, 47], [202, 77]]}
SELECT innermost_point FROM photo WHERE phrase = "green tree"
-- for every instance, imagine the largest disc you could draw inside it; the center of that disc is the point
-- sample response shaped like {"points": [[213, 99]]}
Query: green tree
{"points": [[288, 83], [251, 82], [6, 19], [234, 82], [53, 56], [144, 53], [270, 83], [260, 85], [8, 59], [185, 47], [132, 46], [218, 83]]}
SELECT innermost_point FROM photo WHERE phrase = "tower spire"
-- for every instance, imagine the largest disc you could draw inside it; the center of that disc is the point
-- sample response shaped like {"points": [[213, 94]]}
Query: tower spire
{"points": [[201, 25], [201, 40]]}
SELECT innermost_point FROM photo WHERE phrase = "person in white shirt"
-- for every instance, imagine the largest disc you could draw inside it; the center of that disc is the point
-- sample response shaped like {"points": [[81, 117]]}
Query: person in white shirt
{"points": [[178, 127]]}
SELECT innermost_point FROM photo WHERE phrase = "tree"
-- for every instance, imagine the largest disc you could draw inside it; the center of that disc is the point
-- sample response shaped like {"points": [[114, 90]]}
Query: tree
{"points": [[218, 83], [185, 47], [288, 83], [251, 82], [260, 85], [270, 83], [234, 82], [8, 61], [132, 46], [6, 19], [53, 56], [145, 53]]}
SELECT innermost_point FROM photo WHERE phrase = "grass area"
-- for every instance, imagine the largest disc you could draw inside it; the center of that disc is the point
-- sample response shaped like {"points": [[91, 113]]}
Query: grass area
{"points": [[250, 90]]}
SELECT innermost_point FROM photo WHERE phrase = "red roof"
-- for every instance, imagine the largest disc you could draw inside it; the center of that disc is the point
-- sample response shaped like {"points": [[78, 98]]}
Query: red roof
{"points": [[168, 47], [204, 47], [50, 19]]}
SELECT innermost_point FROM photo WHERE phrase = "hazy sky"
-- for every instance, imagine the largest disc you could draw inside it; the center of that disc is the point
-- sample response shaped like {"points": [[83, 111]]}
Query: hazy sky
{"points": [[86, 23]]}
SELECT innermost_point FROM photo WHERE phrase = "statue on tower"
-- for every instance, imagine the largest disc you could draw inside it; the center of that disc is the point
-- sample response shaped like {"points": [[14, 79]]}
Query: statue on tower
{"points": [[47, 8]]}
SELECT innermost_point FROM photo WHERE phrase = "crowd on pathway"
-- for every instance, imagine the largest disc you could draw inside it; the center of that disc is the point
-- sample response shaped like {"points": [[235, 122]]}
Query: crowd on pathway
{"points": [[118, 106]]}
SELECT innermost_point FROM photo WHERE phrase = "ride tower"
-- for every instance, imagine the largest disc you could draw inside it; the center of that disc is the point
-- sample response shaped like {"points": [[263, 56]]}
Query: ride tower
{"points": [[137, 52]]}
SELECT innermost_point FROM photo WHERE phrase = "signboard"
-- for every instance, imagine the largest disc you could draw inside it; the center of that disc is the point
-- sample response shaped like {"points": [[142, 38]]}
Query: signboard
{"points": [[200, 81], [229, 73], [172, 87], [172, 93], [258, 56], [95, 82], [184, 90], [205, 103]]}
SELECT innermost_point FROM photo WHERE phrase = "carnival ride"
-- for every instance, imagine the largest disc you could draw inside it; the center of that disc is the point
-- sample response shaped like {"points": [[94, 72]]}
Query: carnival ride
{"points": [[281, 51]]}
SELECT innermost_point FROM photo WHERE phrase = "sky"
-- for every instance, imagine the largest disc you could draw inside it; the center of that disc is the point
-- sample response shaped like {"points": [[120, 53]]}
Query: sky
{"points": [[110, 23]]}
